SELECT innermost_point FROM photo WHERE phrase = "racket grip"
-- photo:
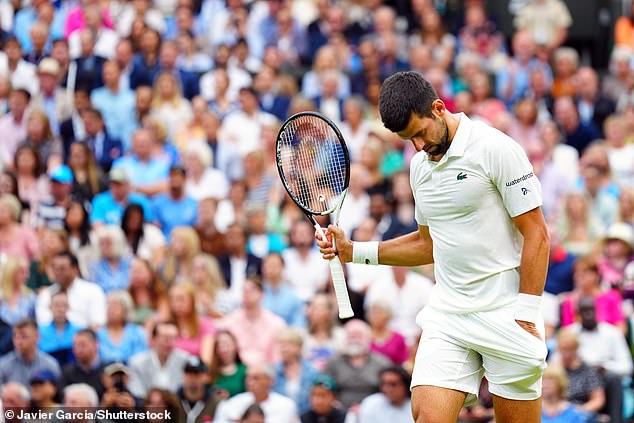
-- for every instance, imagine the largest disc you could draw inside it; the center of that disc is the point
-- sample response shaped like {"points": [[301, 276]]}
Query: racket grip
{"points": [[341, 291], [339, 282]]}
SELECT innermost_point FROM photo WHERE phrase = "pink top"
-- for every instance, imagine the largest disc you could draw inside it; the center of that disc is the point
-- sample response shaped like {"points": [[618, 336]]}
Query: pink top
{"points": [[608, 305], [256, 338], [23, 243], [75, 20], [192, 345], [394, 348]]}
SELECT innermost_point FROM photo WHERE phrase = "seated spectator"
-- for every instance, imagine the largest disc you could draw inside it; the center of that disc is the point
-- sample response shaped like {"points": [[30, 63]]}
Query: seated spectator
{"points": [[161, 400], [169, 105], [80, 395], [52, 98], [117, 396], [254, 327], [56, 338], [294, 374], [51, 212], [593, 106], [43, 386], [237, 264], [232, 209], [617, 253], [555, 408], [115, 103], [406, 292], [183, 247], [485, 105], [39, 135], [86, 300], [89, 179], [40, 270], [585, 385], [17, 302], [601, 344], [598, 184], [174, 208], [111, 271], [162, 365], [277, 408], [306, 271], [587, 285], [105, 147], [87, 367], [261, 241], [203, 180], [15, 239], [196, 333], [147, 293], [192, 130], [547, 21], [148, 170], [77, 225], [14, 395], [393, 403], [324, 337], [227, 370], [33, 184], [279, 297], [224, 101], [198, 401], [119, 339], [356, 369], [576, 133], [26, 359], [578, 227], [565, 65], [85, 71], [212, 241], [144, 239], [385, 341], [620, 153], [323, 403], [210, 286], [108, 207], [13, 125]]}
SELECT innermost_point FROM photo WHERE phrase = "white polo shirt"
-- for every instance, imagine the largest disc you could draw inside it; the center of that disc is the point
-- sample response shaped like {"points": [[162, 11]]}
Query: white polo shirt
{"points": [[467, 200]]}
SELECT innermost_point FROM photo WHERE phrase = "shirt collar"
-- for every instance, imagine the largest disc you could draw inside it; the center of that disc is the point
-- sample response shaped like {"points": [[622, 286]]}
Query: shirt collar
{"points": [[460, 138]]}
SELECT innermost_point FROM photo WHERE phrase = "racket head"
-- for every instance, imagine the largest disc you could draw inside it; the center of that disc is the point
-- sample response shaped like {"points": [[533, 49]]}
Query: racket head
{"points": [[313, 162]]}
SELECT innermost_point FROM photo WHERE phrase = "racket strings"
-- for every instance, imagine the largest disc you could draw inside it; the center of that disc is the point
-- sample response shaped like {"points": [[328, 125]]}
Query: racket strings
{"points": [[313, 163]]}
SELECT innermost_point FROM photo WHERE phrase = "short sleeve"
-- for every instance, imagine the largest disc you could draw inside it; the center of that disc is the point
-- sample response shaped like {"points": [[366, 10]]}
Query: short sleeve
{"points": [[563, 15], [513, 175], [413, 176]]}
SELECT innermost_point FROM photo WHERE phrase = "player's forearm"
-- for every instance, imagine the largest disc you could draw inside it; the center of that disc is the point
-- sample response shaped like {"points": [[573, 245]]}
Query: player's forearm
{"points": [[534, 264], [406, 250]]}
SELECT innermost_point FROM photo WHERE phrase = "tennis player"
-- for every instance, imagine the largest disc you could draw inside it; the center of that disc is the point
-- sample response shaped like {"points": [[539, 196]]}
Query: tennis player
{"points": [[478, 208]]}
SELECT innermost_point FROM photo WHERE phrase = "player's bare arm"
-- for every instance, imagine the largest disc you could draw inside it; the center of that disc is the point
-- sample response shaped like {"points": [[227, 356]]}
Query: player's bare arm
{"points": [[535, 253], [413, 249]]}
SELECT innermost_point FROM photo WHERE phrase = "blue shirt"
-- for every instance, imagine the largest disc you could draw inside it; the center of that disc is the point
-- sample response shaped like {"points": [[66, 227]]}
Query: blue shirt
{"points": [[309, 373], [118, 112], [24, 308], [569, 415], [51, 340], [14, 368], [106, 210], [133, 341], [170, 213], [144, 173], [285, 303], [25, 19], [109, 278]]}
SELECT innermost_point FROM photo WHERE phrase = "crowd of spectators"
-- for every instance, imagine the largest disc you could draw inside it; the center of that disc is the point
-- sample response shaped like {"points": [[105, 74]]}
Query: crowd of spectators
{"points": [[149, 256]]}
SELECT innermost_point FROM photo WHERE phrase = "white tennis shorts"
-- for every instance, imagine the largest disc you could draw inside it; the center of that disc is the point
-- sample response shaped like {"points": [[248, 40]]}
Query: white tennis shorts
{"points": [[456, 350]]}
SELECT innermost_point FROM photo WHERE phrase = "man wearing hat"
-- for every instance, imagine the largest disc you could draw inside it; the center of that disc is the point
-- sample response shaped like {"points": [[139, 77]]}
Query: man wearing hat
{"points": [[43, 390], [52, 98], [52, 213], [117, 395], [323, 403], [198, 402], [107, 207]]}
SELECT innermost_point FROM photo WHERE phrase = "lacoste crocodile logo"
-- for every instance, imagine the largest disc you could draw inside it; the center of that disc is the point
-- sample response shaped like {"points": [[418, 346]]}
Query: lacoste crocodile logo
{"points": [[461, 176]]}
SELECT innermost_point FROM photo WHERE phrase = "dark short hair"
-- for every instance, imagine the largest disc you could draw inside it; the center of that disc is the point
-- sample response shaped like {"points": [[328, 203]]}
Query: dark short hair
{"points": [[401, 95], [89, 333], [405, 377], [25, 323], [96, 113], [162, 323], [24, 92], [70, 256]]}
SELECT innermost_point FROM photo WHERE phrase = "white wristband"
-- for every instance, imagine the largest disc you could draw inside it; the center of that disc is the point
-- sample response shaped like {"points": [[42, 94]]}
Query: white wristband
{"points": [[365, 252], [528, 307]]}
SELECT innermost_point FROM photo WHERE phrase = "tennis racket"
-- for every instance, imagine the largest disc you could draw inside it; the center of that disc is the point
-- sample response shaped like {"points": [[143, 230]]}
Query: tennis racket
{"points": [[314, 166]]}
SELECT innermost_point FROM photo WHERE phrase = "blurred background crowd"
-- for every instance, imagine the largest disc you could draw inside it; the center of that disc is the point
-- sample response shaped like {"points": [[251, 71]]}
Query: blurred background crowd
{"points": [[150, 258]]}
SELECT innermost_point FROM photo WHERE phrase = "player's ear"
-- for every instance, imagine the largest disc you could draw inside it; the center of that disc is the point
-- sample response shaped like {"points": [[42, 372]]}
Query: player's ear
{"points": [[438, 107]]}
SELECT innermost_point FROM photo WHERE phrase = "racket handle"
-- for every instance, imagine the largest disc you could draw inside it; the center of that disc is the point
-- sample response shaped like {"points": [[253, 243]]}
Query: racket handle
{"points": [[339, 282]]}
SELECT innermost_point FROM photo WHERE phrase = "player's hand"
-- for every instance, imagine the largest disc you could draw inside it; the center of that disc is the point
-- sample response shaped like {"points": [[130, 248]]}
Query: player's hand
{"points": [[530, 328], [342, 248]]}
